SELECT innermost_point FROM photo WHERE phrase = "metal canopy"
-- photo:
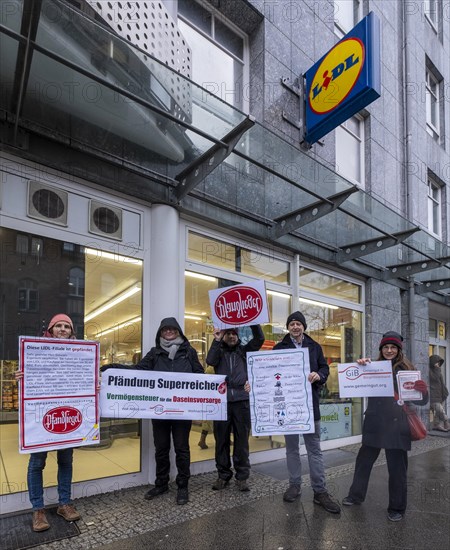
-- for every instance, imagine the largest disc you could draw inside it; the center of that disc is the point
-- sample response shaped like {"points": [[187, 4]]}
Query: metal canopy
{"points": [[362, 248], [411, 268], [433, 286], [201, 167], [307, 214], [250, 193]]}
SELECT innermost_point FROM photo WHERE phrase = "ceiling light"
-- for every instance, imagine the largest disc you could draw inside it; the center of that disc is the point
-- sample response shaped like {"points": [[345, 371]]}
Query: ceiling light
{"points": [[101, 254], [315, 303], [117, 327], [117, 300], [200, 276], [193, 317], [279, 294]]}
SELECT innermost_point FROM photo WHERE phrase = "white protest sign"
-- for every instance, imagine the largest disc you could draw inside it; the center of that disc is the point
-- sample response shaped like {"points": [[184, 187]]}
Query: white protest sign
{"points": [[371, 380], [130, 393], [405, 384], [239, 305], [58, 402], [280, 395]]}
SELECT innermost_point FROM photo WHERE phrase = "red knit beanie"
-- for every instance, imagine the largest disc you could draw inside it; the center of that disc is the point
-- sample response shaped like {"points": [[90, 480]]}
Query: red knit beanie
{"points": [[56, 319], [392, 337]]}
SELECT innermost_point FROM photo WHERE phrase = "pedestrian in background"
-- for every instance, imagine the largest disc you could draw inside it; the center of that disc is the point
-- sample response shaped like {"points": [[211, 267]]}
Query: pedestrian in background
{"points": [[386, 427], [172, 353], [296, 325], [228, 356], [438, 394], [60, 327]]}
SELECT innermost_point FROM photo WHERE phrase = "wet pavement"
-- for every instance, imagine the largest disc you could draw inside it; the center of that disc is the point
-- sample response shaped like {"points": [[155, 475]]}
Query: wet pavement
{"points": [[260, 519]]}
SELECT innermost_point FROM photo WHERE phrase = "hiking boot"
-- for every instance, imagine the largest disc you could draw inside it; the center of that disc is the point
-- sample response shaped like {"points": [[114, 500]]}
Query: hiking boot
{"points": [[182, 495], [156, 491], [220, 484], [292, 493], [395, 516], [324, 500], [40, 522], [242, 485], [349, 501], [68, 512]]}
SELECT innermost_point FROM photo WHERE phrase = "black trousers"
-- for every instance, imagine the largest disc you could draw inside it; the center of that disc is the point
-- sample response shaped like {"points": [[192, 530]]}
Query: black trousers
{"points": [[179, 430], [397, 463], [239, 423]]}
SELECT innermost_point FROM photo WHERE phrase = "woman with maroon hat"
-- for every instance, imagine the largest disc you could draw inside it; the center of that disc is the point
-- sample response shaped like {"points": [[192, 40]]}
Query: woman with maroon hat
{"points": [[60, 326], [386, 427]]}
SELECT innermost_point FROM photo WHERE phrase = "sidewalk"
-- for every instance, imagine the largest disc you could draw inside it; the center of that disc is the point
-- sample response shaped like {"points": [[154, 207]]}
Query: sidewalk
{"points": [[261, 520]]}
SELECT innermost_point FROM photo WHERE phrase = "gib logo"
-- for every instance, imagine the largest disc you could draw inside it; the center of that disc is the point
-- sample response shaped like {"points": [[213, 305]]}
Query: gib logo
{"points": [[352, 373], [62, 420], [238, 306], [336, 75]]}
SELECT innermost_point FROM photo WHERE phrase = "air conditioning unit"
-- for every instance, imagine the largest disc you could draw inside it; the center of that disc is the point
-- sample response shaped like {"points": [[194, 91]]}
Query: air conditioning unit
{"points": [[105, 220], [47, 203]]}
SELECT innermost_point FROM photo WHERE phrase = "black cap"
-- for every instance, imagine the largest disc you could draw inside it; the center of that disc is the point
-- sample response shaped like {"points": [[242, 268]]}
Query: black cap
{"points": [[296, 316]]}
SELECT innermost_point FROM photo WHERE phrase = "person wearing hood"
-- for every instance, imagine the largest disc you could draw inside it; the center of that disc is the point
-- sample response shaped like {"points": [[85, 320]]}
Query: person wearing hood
{"points": [[172, 353], [60, 327], [386, 427], [438, 394], [228, 356], [319, 370]]}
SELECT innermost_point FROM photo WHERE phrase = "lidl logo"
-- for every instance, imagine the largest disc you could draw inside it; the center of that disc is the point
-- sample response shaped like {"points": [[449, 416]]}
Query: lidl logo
{"points": [[336, 75], [345, 80]]}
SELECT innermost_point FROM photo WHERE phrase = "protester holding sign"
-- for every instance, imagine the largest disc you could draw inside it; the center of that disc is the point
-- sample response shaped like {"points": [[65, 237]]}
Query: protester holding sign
{"points": [[60, 327], [228, 356], [296, 325], [386, 427], [172, 353]]}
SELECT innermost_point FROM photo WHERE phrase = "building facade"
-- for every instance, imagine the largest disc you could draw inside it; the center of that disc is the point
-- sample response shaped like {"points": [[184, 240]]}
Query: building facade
{"points": [[153, 151]]}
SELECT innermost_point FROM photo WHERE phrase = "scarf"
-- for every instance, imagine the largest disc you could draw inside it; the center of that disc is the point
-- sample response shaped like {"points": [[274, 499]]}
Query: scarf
{"points": [[171, 346]]}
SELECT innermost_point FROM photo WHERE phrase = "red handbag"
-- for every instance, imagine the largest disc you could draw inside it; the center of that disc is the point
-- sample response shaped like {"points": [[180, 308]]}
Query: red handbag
{"points": [[416, 426]]}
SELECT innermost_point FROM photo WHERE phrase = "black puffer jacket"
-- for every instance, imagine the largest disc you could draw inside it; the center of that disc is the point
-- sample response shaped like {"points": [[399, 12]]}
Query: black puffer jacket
{"points": [[385, 422], [232, 362], [317, 363]]}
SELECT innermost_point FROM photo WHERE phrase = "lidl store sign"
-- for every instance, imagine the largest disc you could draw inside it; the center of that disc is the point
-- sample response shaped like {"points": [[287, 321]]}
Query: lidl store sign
{"points": [[344, 80]]}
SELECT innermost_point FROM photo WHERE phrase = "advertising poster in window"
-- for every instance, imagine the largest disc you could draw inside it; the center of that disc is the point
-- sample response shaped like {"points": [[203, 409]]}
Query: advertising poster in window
{"points": [[58, 401], [280, 393], [335, 420]]}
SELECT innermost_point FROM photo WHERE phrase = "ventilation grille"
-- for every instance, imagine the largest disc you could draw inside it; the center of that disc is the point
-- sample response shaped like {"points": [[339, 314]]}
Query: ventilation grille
{"points": [[47, 203], [105, 220]]}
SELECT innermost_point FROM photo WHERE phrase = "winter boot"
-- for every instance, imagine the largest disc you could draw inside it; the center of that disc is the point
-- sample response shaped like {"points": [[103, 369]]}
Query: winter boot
{"points": [[202, 443]]}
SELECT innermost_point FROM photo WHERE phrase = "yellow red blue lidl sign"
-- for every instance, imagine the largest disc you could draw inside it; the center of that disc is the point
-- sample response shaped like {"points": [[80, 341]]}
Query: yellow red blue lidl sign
{"points": [[336, 75], [344, 80]]}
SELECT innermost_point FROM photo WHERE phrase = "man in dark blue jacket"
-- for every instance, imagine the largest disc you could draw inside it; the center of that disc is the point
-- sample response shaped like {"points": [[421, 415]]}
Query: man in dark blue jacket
{"points": [[229, 357], [296, 325]]}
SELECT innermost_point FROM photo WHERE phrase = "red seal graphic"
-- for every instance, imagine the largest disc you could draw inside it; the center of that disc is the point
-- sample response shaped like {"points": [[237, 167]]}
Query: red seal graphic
{"points": [[222, 388], [238, 306], [62, 420]]}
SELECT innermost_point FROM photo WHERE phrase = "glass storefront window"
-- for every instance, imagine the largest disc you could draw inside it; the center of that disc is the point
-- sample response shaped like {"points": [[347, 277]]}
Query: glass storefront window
{"points": [[329, 285], [102, 293], [216, 253]]}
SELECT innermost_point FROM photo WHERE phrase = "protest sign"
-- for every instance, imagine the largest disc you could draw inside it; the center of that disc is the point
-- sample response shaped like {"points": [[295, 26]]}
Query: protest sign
{"points": [[130, 393], [239, 305], [58, 402], [281, 395], [405, 384], [371, 380]]}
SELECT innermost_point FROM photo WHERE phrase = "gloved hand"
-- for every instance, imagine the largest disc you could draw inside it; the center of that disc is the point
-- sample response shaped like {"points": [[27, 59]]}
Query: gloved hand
{"points": [[112, 366], [420, 385]]}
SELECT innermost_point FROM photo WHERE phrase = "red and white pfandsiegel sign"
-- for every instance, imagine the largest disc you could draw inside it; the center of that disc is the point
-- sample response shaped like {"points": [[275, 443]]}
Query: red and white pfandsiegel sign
{"points": [[239, 305], [62, 420]]}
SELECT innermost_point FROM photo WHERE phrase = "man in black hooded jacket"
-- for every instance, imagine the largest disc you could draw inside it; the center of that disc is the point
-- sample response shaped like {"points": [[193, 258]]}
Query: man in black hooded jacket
{"points": [[172, 353], [228, 357]]}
